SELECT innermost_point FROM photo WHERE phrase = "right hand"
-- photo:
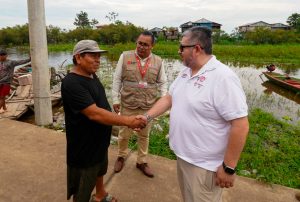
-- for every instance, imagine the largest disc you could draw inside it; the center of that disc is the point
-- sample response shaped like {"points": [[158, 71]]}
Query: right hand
{"points": [[137, 122], [116, 108]]}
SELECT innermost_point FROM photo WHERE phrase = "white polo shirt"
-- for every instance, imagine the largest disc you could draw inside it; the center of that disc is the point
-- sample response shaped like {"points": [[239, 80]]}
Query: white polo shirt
{"points": [[202, 107]]}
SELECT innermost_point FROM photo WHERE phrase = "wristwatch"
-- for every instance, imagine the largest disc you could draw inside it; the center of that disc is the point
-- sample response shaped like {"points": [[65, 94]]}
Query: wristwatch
{"points": [[228, 170], [148, 117]]}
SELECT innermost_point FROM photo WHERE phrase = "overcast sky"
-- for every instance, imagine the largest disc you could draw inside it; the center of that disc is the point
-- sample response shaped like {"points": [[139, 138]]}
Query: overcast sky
{"points": [[154, 13]]}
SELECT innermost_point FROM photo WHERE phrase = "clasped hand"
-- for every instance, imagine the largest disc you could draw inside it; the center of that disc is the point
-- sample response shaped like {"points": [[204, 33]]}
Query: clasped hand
{"points": [[138, 122]]}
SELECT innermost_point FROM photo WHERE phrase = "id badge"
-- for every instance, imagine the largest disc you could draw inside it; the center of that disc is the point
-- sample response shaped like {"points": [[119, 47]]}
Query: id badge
{"points": [[142, 84]]}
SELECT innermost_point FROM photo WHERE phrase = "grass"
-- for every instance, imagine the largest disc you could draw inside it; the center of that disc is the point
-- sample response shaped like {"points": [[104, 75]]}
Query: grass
{"points": [[271, 153], [286, 54]]}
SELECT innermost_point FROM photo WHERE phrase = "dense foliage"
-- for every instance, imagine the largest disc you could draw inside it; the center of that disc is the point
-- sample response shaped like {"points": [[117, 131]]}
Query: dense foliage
{"points": [[124, 32]]}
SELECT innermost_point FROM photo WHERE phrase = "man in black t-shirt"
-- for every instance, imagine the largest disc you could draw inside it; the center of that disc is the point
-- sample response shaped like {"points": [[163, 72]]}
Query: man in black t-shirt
{"points": [[88, 120]]}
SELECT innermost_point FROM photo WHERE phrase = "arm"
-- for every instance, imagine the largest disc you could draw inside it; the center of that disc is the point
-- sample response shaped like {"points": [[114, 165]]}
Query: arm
{"points": [[162, 81], [103, 116], [117, 83], [237, 139], [161, 106], [21, 62]]}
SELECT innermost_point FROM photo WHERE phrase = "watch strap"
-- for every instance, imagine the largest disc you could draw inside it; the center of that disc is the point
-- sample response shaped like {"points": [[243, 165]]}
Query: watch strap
{"points": [[227, 169]]}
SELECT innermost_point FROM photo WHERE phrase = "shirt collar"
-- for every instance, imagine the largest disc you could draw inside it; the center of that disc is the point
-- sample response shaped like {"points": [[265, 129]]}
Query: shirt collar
{"points": [[207, 67], [142, 58]]}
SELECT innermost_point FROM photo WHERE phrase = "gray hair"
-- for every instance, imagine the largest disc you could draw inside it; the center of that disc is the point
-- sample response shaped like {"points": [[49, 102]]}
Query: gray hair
{"points": [[201, 35]]}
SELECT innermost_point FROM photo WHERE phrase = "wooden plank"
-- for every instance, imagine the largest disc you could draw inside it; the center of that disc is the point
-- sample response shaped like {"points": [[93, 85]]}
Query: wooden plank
{"points": [[19, 100], [25, 91], [11, 110]]}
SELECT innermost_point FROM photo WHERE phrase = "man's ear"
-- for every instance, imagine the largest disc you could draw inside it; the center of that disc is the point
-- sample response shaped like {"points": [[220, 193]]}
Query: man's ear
{"points": [[78, 58]]}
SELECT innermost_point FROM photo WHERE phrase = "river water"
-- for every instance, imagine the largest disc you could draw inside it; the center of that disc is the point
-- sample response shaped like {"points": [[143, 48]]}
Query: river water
{"points": [[260, 93]]}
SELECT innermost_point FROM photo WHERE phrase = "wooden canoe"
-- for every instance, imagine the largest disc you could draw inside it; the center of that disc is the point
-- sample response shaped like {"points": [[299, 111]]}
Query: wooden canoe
{"points": [[22, 99], [289, 83]]}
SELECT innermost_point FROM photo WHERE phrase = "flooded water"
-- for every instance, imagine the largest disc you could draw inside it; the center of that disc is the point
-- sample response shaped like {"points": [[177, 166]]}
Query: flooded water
{"points": [[260, 93]]}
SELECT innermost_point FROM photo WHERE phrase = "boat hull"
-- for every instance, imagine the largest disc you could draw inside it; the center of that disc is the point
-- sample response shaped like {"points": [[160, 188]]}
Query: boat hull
{"points": [[290, 83]]}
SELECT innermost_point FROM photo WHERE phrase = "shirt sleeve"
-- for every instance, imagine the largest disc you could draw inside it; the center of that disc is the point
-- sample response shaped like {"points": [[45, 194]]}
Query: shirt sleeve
{"points": [[20, 62], [162, 81], [117, 81], [76, 96], [229, 98]]}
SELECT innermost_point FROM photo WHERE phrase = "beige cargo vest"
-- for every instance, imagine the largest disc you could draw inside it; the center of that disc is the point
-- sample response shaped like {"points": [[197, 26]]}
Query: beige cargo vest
{"points": [[133, 95]]}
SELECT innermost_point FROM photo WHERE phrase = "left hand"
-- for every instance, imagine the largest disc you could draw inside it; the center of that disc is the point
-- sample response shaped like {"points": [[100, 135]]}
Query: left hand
{"points": [[223, 179]]}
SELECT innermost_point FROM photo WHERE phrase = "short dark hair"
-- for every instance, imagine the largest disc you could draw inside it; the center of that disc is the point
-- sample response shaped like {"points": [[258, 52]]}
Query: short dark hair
{"points": [[148, 33], [201, 35], [74, 58], [3, 52]]}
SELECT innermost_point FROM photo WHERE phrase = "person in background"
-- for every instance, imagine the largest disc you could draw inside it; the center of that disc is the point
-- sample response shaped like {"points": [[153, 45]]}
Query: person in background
{"points": [[208, 119], [88, 119], [6, 75], [139, 80]]}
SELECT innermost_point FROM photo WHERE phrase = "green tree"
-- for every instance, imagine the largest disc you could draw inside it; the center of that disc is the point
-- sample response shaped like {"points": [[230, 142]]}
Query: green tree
{"points": [[294, 21], [54, 34], [112, 16], [82, 20]]}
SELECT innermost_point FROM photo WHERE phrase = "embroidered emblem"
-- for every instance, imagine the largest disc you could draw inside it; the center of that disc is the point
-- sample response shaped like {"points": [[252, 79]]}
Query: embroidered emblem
{"points": [[184, 75], [197, 84], [199, 80]]}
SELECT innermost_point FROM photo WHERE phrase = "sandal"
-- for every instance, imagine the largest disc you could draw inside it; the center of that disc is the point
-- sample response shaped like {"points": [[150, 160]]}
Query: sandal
{"points": [[106, 198]]}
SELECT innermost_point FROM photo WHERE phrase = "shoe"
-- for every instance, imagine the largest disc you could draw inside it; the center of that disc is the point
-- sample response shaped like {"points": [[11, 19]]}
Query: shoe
{"points": [[119, 164], [145, 169]]}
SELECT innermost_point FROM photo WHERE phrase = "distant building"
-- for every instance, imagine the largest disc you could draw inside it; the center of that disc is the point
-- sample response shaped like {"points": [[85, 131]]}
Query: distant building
{"points": [[171, 33], [99, 26], [203, 23], [156, 31], [261, 24]]}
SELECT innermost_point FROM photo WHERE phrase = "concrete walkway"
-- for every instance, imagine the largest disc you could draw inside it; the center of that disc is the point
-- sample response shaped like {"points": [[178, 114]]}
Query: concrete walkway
{"points": [[33, 169]]}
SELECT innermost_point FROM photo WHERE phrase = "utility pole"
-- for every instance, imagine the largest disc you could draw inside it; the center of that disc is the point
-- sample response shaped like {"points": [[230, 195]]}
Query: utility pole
{"points": [[39, 62]]}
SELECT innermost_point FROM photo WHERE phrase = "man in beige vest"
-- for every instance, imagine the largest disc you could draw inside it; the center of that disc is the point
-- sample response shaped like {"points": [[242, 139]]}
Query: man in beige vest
{"points": [[138, 81]]}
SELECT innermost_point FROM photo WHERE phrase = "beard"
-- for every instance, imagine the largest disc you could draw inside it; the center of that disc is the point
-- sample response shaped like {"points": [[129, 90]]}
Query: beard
{"points": [[188, 61]]}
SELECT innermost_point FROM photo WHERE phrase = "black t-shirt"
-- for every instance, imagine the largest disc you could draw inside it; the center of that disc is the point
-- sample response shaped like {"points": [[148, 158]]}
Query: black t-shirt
{"points": [[87, 141]]}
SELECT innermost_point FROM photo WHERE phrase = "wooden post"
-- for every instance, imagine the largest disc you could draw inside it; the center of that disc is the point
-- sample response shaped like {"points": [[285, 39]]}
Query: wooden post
{"points": [[39, 61]]}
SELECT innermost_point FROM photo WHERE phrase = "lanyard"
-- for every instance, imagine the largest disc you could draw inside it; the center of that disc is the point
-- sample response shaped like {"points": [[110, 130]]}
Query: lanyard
{"points": [[144, 69]]}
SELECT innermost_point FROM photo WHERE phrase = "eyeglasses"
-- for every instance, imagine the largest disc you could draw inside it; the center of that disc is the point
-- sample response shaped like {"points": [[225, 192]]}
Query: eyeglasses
{"points": [[182, 47], [144, 45]]}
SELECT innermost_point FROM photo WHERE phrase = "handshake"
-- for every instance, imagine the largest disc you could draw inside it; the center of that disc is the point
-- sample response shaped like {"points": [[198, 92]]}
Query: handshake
{"points": [[137, 122]]}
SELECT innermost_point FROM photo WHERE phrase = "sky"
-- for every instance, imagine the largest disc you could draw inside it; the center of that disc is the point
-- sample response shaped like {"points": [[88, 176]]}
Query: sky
{"points": [[154, 13]]}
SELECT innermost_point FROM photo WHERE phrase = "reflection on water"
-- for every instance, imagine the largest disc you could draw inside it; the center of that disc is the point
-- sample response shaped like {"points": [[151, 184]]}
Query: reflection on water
{"points": [[273, 88], [262, 96]]}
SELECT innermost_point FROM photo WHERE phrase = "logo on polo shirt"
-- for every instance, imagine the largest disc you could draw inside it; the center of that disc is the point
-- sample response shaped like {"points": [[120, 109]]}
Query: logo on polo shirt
{"points": [[201, 78], [184, 75], [199, 81]]}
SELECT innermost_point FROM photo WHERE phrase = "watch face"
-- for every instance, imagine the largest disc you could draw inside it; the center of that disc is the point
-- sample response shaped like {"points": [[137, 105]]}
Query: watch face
{"points": [[229, 171]]}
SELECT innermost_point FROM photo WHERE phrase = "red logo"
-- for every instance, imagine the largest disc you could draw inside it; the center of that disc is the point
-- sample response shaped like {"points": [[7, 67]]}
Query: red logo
{"points": [[201, 78]]}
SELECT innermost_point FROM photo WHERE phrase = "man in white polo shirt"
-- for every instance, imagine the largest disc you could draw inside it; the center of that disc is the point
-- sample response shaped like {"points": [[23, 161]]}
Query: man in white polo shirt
{"points": [[208, 119]]}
